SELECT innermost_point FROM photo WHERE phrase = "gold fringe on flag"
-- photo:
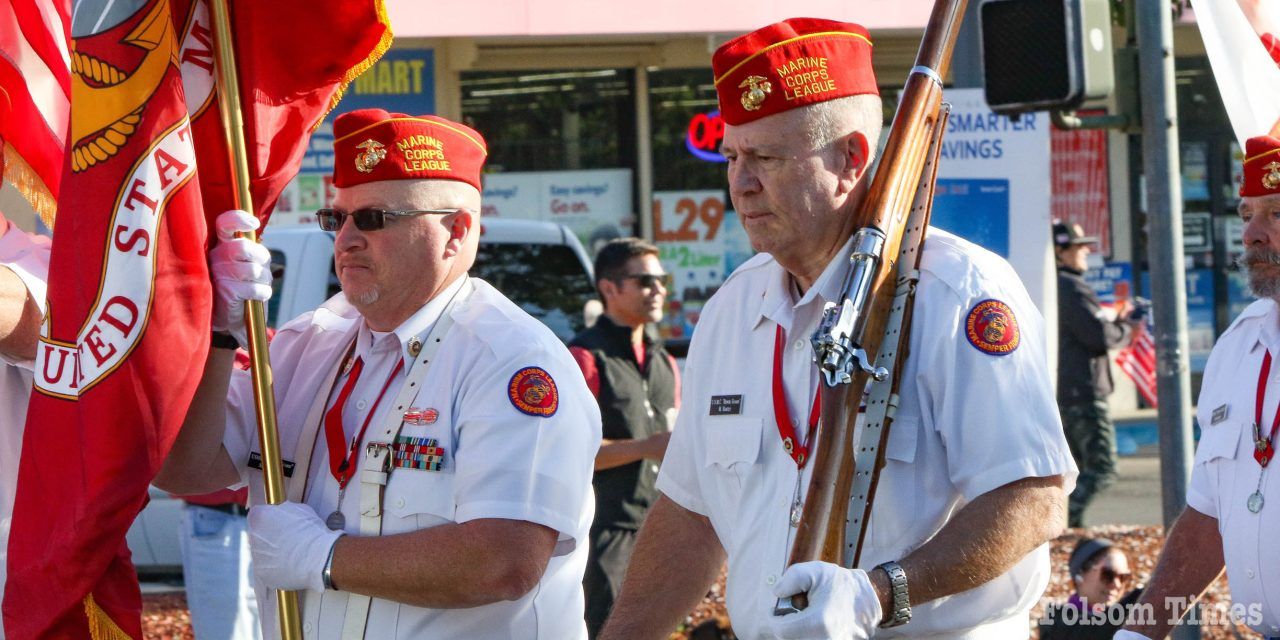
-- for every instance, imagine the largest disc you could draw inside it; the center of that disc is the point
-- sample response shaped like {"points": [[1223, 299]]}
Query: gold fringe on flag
{"points": [[383, 45], [101, 626], [29, 184]]}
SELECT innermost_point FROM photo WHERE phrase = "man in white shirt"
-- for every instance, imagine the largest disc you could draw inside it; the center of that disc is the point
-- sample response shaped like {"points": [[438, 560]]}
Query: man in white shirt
{"points": [[1233, 500], [24, 270], [438, 441], [973, 486]]}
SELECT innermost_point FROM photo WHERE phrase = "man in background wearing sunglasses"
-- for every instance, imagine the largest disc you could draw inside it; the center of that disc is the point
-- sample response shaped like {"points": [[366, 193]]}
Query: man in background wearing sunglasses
{"points": [[438, 441], [637, 385]]}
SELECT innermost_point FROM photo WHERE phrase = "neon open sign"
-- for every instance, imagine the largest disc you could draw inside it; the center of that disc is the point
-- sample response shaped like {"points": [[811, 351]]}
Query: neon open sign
{"points": [[706, 130]]}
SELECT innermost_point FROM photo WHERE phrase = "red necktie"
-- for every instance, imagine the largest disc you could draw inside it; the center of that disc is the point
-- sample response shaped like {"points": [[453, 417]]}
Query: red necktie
{"points": [[334, 435]]}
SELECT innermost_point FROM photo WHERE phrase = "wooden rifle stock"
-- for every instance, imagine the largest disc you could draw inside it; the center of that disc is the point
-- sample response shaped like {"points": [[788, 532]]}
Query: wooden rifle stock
{"points": [[820, 534]]}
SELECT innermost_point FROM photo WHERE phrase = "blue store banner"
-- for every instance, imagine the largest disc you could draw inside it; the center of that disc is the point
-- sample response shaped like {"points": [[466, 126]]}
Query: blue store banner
{"points": [[976, 209], [1200, 314]]}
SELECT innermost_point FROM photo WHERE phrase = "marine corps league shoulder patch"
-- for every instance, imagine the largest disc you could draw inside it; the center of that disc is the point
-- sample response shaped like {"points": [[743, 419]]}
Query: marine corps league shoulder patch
{"points": [[532, 391], [992, 328]]}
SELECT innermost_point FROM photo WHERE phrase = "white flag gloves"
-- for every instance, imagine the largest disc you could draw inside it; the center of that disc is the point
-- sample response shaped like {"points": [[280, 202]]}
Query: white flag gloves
{"points": [[240, 271], [842, 603], [290, 546], [1129, 635]]}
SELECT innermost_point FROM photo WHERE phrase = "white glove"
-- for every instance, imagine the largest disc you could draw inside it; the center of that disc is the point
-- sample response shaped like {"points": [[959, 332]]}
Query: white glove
{"points": [[290, 546], [1129, 635], [240, 271], [842, 603]]}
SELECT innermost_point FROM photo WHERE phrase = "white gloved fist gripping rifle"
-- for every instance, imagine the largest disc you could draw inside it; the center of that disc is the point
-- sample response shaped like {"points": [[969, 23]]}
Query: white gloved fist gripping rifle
{"points": [[291, 546], [842, 603], [240, 271]]}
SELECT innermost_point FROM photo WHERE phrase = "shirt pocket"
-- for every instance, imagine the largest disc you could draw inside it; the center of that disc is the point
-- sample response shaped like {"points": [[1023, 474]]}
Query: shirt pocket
{"points": [[417, 499], [893, 520], [732, 449]]}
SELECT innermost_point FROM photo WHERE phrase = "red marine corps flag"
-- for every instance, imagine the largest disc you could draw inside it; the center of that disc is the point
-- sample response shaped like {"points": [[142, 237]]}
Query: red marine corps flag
{"points": [[129, 295]]}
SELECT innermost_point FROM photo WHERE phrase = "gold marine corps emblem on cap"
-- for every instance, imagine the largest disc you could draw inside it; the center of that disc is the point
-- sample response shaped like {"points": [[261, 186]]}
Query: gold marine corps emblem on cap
{"points": [[757, 89], [374, 152], [1271, 179]]}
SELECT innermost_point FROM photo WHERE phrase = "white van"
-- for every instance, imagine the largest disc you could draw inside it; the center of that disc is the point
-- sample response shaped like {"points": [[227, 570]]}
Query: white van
{"points": [[540, 266]]}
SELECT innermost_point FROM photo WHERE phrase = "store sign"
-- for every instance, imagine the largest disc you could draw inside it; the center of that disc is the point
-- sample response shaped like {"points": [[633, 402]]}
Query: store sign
{"points": [[688, 227], [703, 137], [595, 205]]}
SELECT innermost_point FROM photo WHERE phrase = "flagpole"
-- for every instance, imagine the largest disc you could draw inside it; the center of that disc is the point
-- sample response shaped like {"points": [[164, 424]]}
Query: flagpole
{"points": [[255, 316]]}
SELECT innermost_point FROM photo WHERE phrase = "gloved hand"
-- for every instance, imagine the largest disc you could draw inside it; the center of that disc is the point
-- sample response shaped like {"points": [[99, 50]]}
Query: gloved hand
{"points": [[290, 546], [842, 603], [1129, 635], [240, 271]]}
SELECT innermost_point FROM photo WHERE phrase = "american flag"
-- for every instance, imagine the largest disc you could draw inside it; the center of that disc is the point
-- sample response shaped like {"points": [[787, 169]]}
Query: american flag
{"points": [[1138, 361]]}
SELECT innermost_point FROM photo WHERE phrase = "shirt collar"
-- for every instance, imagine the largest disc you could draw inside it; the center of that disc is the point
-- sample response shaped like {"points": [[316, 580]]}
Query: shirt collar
{"points": [[1266, 331], [778, 302], [415, 328]]}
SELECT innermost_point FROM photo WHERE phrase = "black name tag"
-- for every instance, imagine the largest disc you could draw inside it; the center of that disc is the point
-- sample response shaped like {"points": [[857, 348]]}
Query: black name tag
{"points": [[255, 461], [726, 405]]}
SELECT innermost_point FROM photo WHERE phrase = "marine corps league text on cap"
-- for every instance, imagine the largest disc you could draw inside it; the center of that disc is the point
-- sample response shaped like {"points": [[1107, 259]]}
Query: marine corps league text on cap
{"points": [[371, 145], [791, 64]]}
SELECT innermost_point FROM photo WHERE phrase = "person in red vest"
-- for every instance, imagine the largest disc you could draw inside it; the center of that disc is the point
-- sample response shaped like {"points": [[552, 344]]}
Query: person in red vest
{"points": [[1233, 499], [24, 268]]}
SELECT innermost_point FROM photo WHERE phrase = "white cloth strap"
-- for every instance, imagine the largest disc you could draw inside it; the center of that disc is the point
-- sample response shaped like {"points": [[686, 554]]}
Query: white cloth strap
{"points": [[376, 469]]}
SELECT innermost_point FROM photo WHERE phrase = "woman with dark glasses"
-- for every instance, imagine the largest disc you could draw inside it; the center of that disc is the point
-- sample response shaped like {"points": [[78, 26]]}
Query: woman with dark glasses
{"points": [[1100, 572]]}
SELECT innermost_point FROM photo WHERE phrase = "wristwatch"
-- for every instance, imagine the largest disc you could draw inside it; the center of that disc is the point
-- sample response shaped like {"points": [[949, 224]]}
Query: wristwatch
{"points": [[901, 613]]}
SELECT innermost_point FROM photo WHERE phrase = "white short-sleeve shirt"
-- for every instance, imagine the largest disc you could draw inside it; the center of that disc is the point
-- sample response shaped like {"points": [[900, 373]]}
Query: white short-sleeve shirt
{"points": [[969, 422], [497, 461], [28, 257], [1225, 471]]}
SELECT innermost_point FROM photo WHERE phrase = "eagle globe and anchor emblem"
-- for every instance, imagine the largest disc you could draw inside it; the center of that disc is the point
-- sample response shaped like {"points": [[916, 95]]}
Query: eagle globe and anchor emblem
{"points": [[757, 89], [1271, 179], [373, 153]]}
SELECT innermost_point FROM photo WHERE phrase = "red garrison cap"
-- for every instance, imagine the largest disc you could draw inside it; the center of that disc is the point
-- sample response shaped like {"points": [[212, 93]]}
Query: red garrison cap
{"points": [[791, 64], [371, 145], [1261, 167]]}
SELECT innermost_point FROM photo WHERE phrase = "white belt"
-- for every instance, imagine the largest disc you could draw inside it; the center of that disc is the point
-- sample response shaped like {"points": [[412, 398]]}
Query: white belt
{"points": [[376, 469]]}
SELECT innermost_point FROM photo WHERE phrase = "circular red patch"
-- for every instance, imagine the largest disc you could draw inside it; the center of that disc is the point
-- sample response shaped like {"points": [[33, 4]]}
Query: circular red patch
{"points": [[532, 391], [992, 328]]}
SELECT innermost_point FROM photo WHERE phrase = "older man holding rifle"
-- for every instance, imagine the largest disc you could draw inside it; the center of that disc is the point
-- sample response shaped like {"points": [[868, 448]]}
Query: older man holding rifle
{"points": [[976, 463]]}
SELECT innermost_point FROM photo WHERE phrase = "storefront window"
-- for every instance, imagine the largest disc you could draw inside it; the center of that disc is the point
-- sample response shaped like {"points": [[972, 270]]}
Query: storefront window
{"points": [[561, 120], [686, 130]]}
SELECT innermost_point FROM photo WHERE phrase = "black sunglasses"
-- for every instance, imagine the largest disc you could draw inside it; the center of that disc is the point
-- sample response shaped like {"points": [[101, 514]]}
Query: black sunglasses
{"points": [[649, 280], [369, 218]]}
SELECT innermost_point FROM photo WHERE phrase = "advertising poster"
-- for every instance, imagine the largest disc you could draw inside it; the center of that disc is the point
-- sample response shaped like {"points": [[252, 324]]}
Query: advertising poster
{"points": [[595, 205], [1200, 315], [1081, 188], [989, 153], [402, 81], [1112, 282], [690, 229]]}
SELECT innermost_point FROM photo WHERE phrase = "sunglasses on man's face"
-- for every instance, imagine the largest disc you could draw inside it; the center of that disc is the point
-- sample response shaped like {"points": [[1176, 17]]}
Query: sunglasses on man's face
{"points": [[370, 218], [650, 280]]}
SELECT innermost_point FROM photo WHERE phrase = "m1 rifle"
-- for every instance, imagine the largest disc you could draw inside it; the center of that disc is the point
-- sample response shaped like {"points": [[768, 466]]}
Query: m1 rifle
{"points": [[873, 315]]}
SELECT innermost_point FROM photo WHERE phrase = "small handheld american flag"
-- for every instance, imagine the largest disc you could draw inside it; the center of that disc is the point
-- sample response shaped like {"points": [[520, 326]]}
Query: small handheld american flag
{"points": [[1138, 360]]}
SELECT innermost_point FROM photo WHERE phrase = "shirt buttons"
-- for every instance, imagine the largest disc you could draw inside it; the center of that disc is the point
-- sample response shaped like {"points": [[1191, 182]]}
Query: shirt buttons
{"points": [[361, 405], [399, 503], [1249, 573], [799, 344], [306, 627], [771, 580]]}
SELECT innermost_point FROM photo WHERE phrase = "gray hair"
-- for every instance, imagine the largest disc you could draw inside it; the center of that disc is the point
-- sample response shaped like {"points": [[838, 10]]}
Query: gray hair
{"points": [[834, 119]]}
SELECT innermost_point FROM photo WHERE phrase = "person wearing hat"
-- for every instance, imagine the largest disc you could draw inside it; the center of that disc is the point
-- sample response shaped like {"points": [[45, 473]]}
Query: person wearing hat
{"points": [[24, 271], [976, 463], [437, 440], [1233, 498], [1100, 572], [1086, 332]]}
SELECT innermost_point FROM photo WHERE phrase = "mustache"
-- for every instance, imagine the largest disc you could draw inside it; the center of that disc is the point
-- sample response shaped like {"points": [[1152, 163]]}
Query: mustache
{"points": [[1253, 257]]}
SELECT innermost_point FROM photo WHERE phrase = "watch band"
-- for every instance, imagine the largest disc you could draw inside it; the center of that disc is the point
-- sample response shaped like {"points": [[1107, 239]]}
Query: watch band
{"points": [[901, 613], [223, 340]]}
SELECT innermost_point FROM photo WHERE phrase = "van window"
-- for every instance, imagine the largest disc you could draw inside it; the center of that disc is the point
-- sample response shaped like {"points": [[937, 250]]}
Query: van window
{"points": [[546, 280]]}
